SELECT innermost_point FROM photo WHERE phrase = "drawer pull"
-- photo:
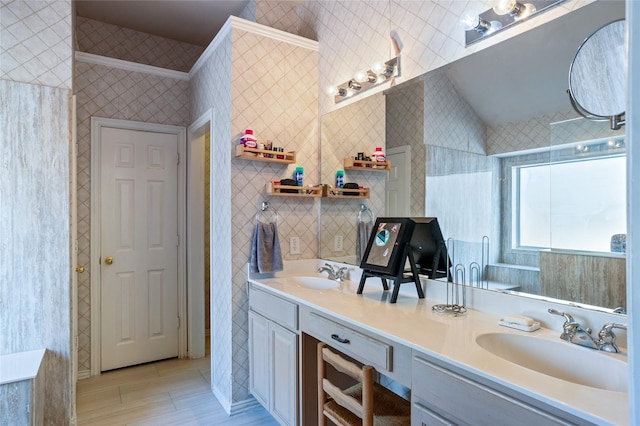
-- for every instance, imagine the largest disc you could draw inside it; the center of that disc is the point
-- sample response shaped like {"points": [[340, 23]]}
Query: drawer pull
{"points": [[339, 339]]}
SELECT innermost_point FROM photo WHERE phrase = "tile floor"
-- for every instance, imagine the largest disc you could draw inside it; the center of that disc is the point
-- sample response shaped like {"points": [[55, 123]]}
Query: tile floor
{"points": [[170, 392]]}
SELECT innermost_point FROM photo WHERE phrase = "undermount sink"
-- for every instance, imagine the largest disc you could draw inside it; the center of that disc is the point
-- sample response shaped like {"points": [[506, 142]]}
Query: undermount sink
{"points": [[318, 283], [559, 359]]}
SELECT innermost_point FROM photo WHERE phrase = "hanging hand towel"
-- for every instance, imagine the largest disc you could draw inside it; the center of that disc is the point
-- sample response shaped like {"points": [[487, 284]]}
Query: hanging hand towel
{"points": [[266, 255], [362, 239]]}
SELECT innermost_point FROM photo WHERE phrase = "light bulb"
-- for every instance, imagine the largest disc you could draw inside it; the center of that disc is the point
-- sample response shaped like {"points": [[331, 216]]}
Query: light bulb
{"points": [[470, 20], [503, 7], [378, 67], [336, 91], [527, 10], [513, 8], [494, 26], [361, 76]]}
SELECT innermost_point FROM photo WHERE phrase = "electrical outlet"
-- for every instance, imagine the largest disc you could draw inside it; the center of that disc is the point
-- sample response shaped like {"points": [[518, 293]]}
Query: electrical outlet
{"points": [[337, 243], [294, 245]]}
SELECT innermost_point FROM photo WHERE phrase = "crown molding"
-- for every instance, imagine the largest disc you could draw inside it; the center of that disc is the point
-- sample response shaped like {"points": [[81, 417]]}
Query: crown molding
{"points": [[129, 66], [242, 24]]}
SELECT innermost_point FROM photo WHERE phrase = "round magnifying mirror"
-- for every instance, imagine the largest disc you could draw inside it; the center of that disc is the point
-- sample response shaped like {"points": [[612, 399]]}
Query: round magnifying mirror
{"points": [[597, 77]]}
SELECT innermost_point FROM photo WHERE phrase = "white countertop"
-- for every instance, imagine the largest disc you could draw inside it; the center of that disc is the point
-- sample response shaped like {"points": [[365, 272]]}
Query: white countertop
{"points": [[20, 366], [411, 322]]}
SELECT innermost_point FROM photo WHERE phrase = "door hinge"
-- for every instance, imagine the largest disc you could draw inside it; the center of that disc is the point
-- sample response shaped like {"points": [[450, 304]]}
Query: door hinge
{"points": [[178, 158], [178, 240], [178, 323]]}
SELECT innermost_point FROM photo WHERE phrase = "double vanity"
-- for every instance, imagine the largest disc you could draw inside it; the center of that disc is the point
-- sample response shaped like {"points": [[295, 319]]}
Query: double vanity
{"points": [[463, 369]]}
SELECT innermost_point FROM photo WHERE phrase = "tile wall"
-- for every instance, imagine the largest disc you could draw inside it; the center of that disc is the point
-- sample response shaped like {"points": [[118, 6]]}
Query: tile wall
{"points": [[449, 121], [359, 127], [210, 87], [35, 42], [102, 91], [279, 14], [36, 48], [405, 126], [278, 106], [35, 295], [353, 34], [117, 42], [35, 292]]}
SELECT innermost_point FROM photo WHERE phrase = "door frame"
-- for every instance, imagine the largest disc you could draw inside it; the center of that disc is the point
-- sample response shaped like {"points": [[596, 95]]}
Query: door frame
{"points": [[196, 332], [97, 123]]}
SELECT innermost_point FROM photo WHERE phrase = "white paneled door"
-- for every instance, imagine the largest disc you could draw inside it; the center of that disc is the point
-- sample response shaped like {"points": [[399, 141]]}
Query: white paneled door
{"points": [[138, 247]]}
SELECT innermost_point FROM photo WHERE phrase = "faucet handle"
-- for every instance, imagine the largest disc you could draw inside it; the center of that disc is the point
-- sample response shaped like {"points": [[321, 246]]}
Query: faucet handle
{"points": [[568, 318], [330, 266], [611, 325], [607, 339]]}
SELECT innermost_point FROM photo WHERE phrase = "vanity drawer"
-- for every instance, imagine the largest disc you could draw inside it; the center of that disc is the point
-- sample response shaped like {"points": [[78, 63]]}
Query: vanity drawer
{"points": [[273, 307], [364, 348], [440, 394]]}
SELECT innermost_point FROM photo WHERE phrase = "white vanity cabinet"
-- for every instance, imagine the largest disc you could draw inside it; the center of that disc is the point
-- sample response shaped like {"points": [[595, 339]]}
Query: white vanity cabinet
{"points": [[440, 396], [273, 354], [386, 356]]}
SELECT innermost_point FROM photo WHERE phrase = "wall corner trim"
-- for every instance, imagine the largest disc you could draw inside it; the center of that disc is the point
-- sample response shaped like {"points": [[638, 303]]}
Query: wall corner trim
{"points": [[253, 27], [129, 66]]}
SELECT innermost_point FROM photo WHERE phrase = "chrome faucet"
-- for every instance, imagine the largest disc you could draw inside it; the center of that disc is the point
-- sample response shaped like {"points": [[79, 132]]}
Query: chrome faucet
{"points": [[338, 275], [607, 339], [573, 332]]}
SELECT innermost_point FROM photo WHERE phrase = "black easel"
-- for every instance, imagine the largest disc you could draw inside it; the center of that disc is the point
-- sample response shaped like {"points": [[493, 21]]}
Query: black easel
{"points": [[399, 278]]}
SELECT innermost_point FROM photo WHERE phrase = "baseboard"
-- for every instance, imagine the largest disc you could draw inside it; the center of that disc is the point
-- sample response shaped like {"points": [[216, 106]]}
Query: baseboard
{"points": [[236, 407], [84, 374], [242, 406], [226, 405]]}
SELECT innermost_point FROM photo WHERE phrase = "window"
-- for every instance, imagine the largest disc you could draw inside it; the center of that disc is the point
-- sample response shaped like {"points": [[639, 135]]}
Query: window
{"points": [[572, 205]]}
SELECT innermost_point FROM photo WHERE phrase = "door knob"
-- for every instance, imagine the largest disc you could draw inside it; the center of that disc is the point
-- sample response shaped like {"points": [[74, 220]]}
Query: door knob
{"points": [[108, 260], [80, 269]]}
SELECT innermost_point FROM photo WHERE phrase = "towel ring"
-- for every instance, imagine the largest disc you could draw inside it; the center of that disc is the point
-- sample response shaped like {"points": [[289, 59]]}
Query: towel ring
{"points": [[364, 210], [267, 214]]}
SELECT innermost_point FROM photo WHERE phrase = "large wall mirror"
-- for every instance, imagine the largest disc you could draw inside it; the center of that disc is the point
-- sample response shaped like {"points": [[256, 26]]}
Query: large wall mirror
{"points": [[529, 195]]}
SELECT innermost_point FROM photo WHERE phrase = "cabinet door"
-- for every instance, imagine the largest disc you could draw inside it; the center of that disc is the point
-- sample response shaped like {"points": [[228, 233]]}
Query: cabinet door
{"points": [[423, 416], [259, 358], [463, 401], [284, 368]]}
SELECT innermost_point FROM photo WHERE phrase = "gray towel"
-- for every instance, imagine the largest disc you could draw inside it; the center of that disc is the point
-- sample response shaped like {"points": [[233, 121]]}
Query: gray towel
{"points": [[362, 238], [266, 255]]}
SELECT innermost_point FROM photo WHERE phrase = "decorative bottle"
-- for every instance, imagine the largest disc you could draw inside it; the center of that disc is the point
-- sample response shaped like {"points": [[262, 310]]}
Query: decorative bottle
{"points": [[299, 176], [249, 141], [379, 157], [340, 179]]}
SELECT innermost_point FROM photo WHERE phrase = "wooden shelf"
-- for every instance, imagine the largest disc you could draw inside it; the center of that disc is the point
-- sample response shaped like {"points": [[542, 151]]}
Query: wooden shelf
{"points": [[373, 166], [345, 193], [282, 190], [258, 155]]}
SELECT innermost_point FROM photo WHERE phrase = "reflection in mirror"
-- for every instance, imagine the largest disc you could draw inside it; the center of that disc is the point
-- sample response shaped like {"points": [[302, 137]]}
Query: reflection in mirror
{"points": [[358, 127], [598, 75], [484, 136]]}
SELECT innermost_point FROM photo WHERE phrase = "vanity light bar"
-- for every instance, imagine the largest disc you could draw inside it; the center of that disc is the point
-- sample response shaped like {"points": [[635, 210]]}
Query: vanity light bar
{"points": [[379, 73], [490, 22]]}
